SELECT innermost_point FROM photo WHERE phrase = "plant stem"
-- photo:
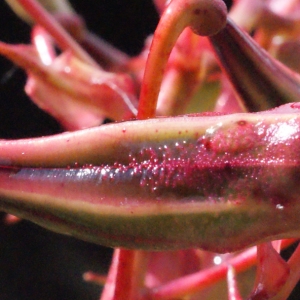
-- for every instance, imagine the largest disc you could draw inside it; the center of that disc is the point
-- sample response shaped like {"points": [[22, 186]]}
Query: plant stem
{"points": [[108, 56], [233, 292], [294, 263], [126, 275], [63, 39], [200, 280], [203, 16]]}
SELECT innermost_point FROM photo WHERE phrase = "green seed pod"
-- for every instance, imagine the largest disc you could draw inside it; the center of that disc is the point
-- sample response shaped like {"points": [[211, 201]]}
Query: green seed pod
{"points": [[220, 183]]}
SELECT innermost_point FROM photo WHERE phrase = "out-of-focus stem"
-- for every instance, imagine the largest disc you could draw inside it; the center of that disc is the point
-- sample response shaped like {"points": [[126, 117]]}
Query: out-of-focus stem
{"points": [[294, 263], [198, 281], [233, 292], [108, 56], [104, 53], [63, 39], [228, 101], [272, 272], [126, 275], [43, 44]]}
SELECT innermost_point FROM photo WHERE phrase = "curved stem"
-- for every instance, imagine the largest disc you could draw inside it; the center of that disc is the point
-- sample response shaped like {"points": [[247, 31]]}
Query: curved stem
{"points": [[203, 16]]}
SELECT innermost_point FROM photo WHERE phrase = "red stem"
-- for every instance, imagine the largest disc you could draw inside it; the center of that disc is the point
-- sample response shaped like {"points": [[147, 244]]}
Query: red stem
{"points": [[118, 284], [205, 17], [126, 275], [198, 281]]}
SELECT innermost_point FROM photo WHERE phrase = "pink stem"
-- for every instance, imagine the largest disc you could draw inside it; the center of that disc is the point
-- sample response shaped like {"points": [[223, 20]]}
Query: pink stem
{"points": [[108, 56], [200, 280], [118, 284], [205, 17], [63, 39], [43, 44], [233, 292], [294, 264], [271, 274], [104, 53], [126, 275]]}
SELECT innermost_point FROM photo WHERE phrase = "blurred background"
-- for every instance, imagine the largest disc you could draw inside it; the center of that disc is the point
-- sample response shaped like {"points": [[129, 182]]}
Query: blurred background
{"points": [[37, 264]]}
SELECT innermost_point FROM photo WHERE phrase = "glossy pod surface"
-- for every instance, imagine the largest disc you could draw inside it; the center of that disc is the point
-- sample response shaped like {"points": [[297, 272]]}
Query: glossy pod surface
{"points": [[216, 182]]}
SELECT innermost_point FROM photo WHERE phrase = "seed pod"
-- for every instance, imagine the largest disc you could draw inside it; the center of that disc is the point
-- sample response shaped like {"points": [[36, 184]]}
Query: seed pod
{"points": [[220, 183]]}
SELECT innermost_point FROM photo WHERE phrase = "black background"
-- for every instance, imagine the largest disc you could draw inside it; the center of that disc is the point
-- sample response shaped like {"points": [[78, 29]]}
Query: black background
{"points": [[35, 263]]}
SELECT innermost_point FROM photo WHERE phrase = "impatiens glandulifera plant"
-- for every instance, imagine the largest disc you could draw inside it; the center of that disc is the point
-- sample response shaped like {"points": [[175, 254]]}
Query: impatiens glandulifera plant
{"points": [[152, 185]]}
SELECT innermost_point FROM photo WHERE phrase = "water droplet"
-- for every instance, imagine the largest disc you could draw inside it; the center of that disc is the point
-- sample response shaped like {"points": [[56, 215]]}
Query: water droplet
{"points": [[217, 260]]}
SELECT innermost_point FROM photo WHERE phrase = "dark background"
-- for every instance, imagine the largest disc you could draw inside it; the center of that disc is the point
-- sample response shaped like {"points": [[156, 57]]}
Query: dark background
{"points": [[37, 264]]}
